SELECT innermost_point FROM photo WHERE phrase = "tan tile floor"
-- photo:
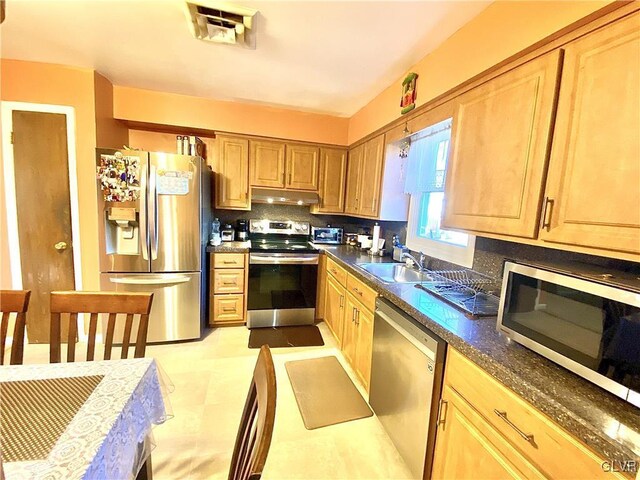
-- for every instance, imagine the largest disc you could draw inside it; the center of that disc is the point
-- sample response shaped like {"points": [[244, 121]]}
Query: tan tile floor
{"points": [[211, 378]]}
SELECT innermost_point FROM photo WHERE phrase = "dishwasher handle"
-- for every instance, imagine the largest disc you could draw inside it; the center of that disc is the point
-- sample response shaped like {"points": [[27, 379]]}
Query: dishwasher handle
{"points": [[416, 343]]}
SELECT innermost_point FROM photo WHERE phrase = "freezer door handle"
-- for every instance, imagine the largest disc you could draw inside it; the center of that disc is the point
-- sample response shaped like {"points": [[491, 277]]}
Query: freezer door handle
{"points": [[165, 280], [142, 225], [153, 212]]}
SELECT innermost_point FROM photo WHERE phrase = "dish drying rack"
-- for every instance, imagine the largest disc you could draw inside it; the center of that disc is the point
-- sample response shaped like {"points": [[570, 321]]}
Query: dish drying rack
{"points": [[473, 292]]}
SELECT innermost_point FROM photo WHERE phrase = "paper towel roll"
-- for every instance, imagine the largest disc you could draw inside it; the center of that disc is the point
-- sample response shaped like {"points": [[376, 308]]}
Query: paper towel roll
{"points": [[376, 238]]}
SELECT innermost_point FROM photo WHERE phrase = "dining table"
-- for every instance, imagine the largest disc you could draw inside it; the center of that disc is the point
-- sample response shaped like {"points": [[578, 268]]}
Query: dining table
{"points": [[84, 420]]}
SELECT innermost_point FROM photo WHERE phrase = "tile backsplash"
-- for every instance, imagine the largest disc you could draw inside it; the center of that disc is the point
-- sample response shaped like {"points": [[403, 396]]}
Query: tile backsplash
{"points": [[303, 214], [489, 256]]}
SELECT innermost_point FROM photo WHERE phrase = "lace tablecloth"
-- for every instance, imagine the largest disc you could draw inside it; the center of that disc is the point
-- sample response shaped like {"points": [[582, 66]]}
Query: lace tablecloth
{"points": [[104, 439]]}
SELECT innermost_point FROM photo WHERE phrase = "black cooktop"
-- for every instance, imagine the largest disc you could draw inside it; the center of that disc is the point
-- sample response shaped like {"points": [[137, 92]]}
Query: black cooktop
{"points": [[278, 245]]}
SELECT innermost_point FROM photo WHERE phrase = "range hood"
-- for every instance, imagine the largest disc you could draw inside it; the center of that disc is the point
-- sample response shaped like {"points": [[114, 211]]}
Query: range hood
{"points": [[283, 197]]}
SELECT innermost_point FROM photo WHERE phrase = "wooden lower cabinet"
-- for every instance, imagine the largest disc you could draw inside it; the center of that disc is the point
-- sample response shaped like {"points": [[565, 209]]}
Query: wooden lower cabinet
{"points": [[228, 289], [349, 319], [468, 447], [334, 307], [487, 431]]}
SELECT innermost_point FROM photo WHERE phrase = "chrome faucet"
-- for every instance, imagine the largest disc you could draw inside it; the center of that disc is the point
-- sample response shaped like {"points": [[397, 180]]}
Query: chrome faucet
{"points": [[418, 263]]}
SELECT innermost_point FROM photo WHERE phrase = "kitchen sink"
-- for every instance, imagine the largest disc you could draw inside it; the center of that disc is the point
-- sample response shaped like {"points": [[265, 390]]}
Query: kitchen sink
{"points": [[394, 272]]}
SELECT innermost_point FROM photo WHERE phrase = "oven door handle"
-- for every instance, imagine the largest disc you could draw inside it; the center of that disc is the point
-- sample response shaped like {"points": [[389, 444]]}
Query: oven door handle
{"points": [[266, 259]]}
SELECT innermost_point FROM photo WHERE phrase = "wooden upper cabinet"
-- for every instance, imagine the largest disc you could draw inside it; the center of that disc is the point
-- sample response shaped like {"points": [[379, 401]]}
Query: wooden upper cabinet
{"points": [[232, 173], [593, 186], [333, 174], [302, 167], [500, 137], [371, 177], [352, 190], [267, 164]]}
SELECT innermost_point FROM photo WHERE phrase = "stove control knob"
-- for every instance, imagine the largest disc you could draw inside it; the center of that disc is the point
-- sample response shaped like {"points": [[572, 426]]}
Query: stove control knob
{"points": [[297, 227], [303, 227]]}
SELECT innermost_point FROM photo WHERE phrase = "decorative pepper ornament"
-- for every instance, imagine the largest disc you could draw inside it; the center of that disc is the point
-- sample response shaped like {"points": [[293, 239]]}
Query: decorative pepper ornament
{"points": [[409, 93]]}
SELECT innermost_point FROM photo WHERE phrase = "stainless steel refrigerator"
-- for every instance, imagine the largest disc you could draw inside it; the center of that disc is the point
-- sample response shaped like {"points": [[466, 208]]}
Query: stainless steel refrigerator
{"points": [[154, 210]]}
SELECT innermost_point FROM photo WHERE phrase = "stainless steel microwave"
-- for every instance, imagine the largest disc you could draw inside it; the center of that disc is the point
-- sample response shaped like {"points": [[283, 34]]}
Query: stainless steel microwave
{"points": [[329, 235], [587, 322]]}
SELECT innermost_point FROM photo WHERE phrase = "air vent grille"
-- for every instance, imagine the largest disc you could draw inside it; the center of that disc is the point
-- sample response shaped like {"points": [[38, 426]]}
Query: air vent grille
{"points": [[220, 22]]}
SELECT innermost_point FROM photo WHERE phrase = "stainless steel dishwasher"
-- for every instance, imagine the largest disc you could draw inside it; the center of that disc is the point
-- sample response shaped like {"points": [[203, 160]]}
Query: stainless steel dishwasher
{"points": [[406, 381]]}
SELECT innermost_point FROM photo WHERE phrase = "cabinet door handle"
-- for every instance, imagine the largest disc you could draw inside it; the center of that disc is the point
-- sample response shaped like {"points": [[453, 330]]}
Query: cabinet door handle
{"points": [[341, 301], [546, 214], [357, 317], [353, 314], [503, 415], [290, 175], [442, 412]]}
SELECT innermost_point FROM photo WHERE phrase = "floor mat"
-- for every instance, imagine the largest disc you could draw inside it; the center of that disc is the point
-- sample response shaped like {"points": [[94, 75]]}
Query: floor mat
{"points": [[324, 392], [298, 336]]}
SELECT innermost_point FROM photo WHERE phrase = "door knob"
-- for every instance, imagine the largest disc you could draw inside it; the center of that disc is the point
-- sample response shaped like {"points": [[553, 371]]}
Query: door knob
{"points": [[60, 246]]}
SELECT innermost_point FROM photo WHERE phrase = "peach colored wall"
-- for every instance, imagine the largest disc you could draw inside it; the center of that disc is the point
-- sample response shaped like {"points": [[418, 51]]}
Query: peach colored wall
{"points": [[501, 30], [164, 142], [184, 111], [59, 85], [110, 133]]}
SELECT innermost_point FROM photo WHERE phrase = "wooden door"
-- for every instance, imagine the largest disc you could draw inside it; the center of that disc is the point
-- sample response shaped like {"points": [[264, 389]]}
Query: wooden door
{"points": [[500, 138], [593, 186], [44, 213], [370, 185], [302, 167], [350, 330], [333, 174], [266, 161], [335, 308], [352, 190], [232, 173], [364, 346], [468, 447]]}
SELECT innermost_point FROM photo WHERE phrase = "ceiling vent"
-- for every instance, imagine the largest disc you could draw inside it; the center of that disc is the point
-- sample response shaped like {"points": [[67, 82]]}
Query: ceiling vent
{"points": [[221, 22]]}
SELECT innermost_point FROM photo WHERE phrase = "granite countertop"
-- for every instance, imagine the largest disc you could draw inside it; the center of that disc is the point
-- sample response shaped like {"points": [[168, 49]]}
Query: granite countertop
{"points": [[607, 424], [230, 247]]}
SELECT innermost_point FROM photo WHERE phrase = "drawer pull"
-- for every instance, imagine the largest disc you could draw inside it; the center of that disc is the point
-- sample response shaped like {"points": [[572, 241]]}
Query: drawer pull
{"points": [[228, 309], [357, 291], [229, 262], [527, 436], [229, 283]]}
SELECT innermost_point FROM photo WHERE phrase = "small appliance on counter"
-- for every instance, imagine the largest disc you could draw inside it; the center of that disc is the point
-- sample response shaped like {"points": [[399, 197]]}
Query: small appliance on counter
{"points": [[351, 239], [242, 231], [398, 249], [327, 235], [228, 233]]}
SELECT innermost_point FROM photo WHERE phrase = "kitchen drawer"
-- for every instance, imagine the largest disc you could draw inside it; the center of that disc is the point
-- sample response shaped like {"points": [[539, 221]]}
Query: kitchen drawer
{"points": [[228, 281], [227, 308], [228, 260], [361, 292], [552, 450], [339, 273]]}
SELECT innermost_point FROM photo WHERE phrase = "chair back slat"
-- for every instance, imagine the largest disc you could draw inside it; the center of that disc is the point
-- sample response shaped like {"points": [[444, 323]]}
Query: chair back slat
{"points": [[93, 328], [13, 301], [72, 337], [54, 338], [256, 426], [126, 336], [108, 341], [141, 344], [95, 303]]}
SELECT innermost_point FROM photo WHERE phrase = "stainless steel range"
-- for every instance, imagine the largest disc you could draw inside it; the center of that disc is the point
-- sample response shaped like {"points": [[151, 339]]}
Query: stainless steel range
{"points": [[283, 274]]}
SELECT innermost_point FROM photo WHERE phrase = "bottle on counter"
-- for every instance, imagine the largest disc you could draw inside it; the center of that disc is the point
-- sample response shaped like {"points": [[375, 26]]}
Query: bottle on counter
{"points": [[214, 238]]}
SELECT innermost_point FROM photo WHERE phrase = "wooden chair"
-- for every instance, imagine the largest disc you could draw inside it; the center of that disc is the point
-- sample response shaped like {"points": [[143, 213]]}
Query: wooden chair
{"points": [[96, 303], [13, 301], [256, 425]]}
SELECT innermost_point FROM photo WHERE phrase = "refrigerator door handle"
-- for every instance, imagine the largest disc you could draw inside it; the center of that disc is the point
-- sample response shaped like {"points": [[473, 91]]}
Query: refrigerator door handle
{"points": [[153, 209], [165, 280], [142, 224]]}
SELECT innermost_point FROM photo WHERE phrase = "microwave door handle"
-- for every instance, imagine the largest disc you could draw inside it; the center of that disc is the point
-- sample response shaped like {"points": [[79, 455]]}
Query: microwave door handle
{"points": [[142, 224], [153, 212]]}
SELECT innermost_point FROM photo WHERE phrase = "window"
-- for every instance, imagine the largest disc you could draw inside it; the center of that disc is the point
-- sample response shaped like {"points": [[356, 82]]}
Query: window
{"points": [[427, 166]]}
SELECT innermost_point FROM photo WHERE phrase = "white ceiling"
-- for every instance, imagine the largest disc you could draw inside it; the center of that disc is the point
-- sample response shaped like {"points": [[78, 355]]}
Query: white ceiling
{"points": [[328, 57]]}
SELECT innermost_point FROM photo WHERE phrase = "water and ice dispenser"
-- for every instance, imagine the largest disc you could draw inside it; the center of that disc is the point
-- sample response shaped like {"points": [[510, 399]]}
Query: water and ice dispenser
{"points": [[122, 230]]}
